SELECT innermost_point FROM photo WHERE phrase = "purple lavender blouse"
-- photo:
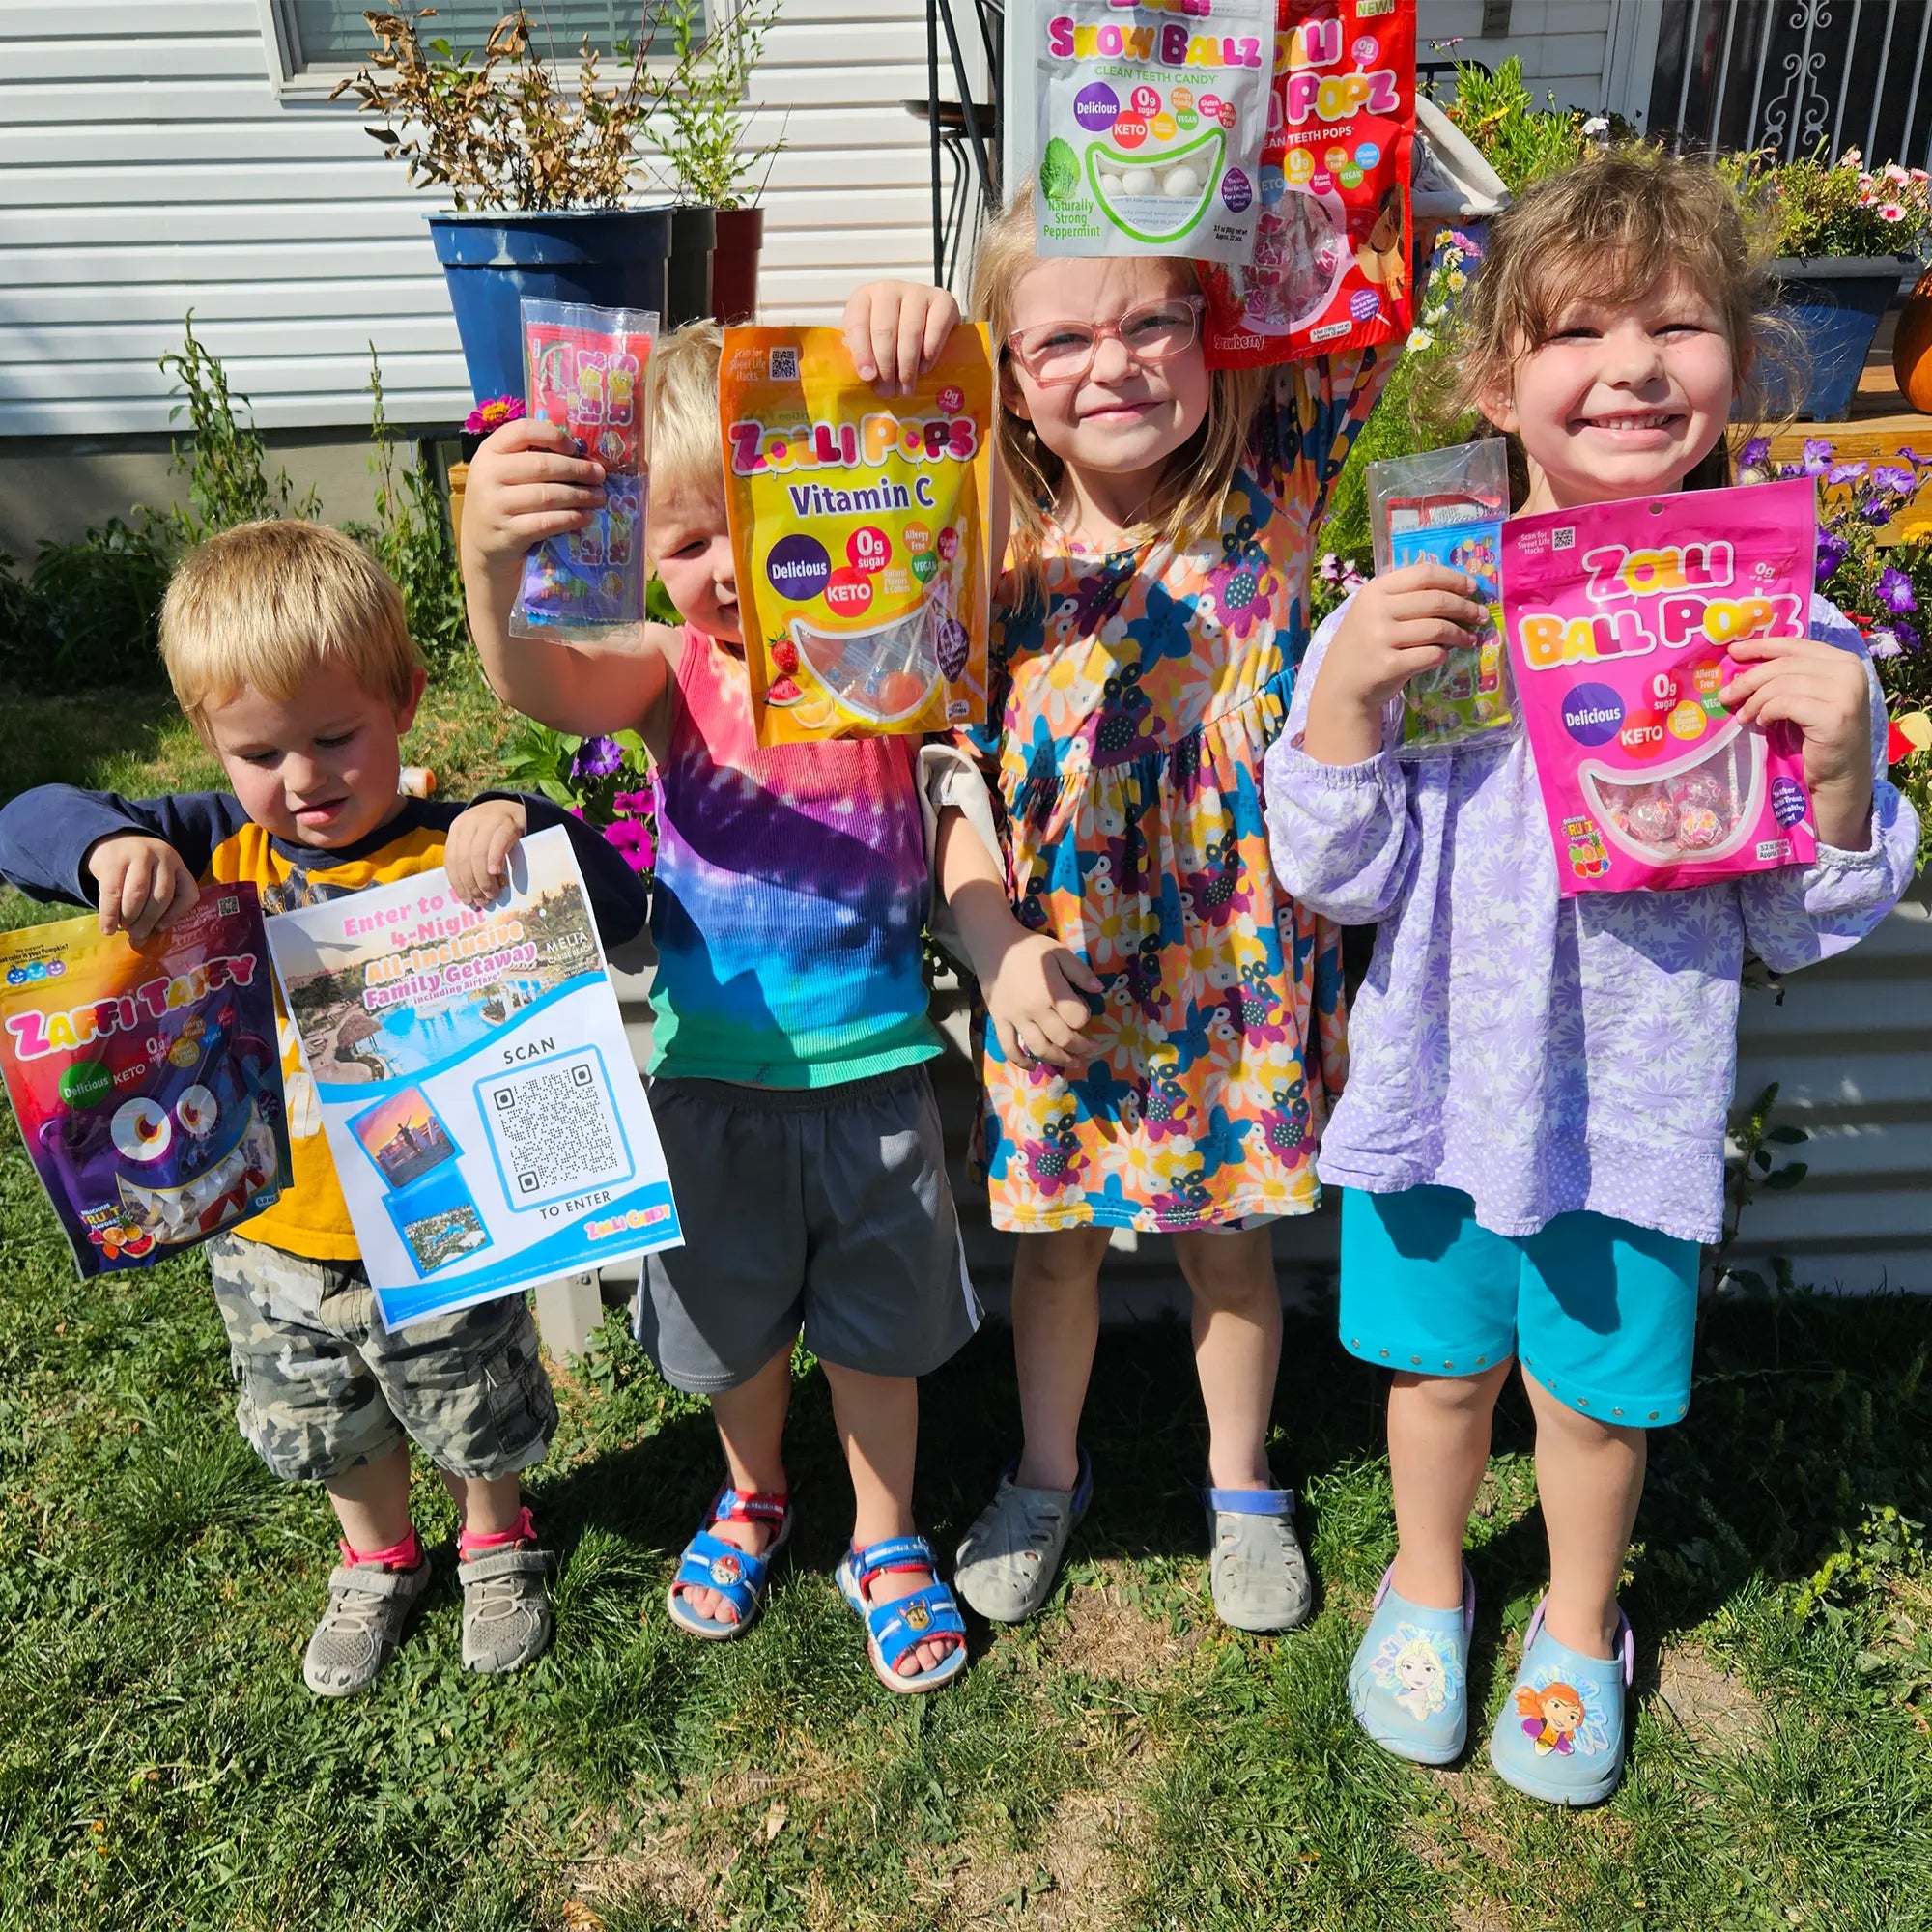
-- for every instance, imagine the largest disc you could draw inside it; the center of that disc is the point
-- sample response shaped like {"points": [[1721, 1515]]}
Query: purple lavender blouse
{"points": [[1539, 1053]]}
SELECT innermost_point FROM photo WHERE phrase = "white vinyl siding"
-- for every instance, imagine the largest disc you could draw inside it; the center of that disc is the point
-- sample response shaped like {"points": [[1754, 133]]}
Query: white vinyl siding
{"points": [[149, 165]]}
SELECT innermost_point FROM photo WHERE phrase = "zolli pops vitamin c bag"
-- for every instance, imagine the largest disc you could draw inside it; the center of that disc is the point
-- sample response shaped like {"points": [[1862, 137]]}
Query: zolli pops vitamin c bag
{"points": [[1330, 268], [859, 531], [1619, 620]]}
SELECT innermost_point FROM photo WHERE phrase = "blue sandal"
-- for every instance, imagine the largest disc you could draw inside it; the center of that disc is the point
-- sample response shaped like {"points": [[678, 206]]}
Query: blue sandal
{"points": [[894, 1628], [739, 1576]]}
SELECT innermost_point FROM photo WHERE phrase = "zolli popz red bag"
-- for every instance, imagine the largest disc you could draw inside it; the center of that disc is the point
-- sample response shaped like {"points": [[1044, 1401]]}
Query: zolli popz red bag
{"points": [[1331, 266]]}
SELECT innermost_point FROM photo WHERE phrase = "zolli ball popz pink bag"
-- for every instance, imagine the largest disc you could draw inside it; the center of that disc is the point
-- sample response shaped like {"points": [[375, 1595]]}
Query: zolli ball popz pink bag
{"points": [[1619, 620]]}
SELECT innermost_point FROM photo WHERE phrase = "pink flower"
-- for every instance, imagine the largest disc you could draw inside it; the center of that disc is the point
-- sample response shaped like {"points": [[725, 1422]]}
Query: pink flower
{"points": [[1891, 210], [493, 415]]}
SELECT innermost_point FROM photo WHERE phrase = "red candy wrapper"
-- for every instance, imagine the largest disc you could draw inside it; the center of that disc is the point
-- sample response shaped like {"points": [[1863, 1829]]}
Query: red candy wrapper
{"points": [[1332, 267], [147, 1081], [584, 371]]}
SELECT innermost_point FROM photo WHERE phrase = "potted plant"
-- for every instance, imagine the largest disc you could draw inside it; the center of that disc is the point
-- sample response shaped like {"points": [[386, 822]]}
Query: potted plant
{"points": [[699, 122], [539, 176], [1844, 237]]}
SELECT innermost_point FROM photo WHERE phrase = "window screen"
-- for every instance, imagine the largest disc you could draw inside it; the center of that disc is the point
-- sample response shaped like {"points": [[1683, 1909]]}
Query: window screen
{"points": [[333, 33]]}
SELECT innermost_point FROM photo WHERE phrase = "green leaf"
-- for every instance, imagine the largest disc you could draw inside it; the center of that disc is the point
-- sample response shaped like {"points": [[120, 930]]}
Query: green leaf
{"points": [[1787, 1177], [1787, 1136]]}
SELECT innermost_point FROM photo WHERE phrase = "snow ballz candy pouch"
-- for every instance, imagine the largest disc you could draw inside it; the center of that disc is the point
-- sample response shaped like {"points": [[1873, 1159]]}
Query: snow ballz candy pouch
{"points": [[583, 370], [859, 531], [1330, 266], [1150, 125], [1448, 505], [1618, 619], [147, 1082]]}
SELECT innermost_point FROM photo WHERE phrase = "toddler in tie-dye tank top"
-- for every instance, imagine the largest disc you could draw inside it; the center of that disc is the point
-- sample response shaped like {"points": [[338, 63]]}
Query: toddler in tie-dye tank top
{"points": [[790, 1036]]}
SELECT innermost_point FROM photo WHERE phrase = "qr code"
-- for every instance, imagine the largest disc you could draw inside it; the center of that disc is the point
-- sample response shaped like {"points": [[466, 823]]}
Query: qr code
{"points": [[784, 365], [228, 904], [1563, 539], [555, 1129]]}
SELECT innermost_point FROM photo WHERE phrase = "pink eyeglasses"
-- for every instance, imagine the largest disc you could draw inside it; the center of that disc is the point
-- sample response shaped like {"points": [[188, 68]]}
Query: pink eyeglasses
{"points": [[1057, 355]]}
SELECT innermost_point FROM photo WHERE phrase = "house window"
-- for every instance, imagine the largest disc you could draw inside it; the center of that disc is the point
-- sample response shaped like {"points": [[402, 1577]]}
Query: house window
{"points": [[332, 34]]}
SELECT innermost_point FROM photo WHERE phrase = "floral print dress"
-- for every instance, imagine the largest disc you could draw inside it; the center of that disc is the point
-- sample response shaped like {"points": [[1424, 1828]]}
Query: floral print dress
{"points": [[1128, 714]]}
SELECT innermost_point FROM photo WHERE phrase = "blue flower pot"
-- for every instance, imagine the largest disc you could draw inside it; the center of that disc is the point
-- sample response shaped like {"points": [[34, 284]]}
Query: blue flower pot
{"points": [[612, 257], [1838, 302]]}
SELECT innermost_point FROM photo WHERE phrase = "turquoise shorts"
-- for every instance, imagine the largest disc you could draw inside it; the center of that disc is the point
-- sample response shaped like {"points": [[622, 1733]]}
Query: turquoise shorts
{"points": [[1602, 1313]]}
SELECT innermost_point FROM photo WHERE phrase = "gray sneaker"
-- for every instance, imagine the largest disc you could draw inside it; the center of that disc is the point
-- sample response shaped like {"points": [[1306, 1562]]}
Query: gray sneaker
{"points": [[1260, 1575], [506, 1620], [369, 1607], [1007, 1560]]}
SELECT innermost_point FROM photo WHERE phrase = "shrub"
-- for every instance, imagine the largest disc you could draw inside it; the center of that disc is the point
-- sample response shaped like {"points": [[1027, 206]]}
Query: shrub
{"points": [[88, 615]]}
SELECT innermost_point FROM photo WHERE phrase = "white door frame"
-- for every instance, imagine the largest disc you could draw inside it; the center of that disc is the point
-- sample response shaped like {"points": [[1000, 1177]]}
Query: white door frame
{"points": [[1630, 56]]}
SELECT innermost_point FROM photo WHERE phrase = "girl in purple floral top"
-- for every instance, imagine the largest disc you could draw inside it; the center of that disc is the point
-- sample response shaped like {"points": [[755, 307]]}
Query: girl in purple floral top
{"points": [[1532, 1137]]}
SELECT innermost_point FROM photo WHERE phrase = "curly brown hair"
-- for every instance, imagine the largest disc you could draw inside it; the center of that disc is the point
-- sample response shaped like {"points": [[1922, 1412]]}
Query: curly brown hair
{"points": [[1609, 230]]}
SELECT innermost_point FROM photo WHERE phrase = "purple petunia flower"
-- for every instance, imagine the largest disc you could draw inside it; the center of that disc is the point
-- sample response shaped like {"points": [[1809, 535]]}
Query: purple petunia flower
{"points": [[1845, 473], [598, 758], [1895, 477], [1906, 633], [1817, 456], [1832, 553], [1876, 510], [1885, 644], [1755, 454], [1913, 457], [1895, 591], [633, 842], [635, 804]]}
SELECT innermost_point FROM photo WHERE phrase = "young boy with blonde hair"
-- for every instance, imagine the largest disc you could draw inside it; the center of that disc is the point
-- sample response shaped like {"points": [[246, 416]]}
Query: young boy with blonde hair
{"points": [[789, 1053], [288, 648]]}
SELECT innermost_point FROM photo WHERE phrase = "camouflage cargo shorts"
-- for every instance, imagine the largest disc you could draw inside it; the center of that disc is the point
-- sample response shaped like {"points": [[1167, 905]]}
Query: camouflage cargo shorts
{"points": [[324, 1386]]}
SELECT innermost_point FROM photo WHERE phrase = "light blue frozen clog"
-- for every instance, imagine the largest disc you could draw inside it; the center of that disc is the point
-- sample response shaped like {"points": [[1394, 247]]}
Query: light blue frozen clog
{"points": [[1560, 1734], [1409, 1686]]}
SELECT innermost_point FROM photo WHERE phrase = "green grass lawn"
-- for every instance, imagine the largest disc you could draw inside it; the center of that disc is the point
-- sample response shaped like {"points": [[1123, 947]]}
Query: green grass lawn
{"points": [[1124, 1761], [1121, 1762]]}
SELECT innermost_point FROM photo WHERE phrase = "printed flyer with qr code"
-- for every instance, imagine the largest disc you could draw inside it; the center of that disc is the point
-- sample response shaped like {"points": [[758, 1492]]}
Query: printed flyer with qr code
{"points": [[480, 1096]]}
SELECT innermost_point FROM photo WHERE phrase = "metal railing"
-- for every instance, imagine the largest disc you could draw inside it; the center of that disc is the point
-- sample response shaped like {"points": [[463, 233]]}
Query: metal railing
{"points": [[1796, 75]]}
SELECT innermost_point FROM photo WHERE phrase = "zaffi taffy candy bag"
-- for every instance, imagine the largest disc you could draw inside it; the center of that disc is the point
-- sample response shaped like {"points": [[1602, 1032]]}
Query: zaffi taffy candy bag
{"points": [[1330, 266], [146, 1080], [1150, 125], [859, 530], [583, 370], [1449, 505], [1618, 619]]}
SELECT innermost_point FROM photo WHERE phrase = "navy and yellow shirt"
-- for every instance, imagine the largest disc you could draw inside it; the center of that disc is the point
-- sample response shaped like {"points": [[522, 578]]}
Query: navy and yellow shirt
{"points": [[47, 833]]}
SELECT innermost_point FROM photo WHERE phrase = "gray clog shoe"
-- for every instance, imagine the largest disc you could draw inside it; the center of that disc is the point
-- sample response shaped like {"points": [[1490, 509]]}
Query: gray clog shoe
{"points": [[506, 1617], [1260, 1575], [1007, 1560], [369, 1608]]}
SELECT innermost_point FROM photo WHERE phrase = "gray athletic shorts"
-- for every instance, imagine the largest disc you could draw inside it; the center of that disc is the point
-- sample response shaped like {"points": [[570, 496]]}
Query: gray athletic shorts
{"points": [[820, 1210]]}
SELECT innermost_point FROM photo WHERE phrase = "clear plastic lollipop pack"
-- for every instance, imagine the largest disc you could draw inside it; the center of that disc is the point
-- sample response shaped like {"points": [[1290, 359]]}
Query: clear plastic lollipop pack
{"points": [[1447, 507], [583, 370]]}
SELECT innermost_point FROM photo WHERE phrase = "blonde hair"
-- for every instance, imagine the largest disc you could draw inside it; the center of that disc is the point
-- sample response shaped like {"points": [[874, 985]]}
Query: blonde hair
{"points": [[1187, 502], [687, 448], [267, 603], [1609, 230]]}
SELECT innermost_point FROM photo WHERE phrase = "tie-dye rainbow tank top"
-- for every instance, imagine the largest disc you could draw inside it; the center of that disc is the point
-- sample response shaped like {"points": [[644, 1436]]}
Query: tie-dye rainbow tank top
{"points": [[791, 893]]}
